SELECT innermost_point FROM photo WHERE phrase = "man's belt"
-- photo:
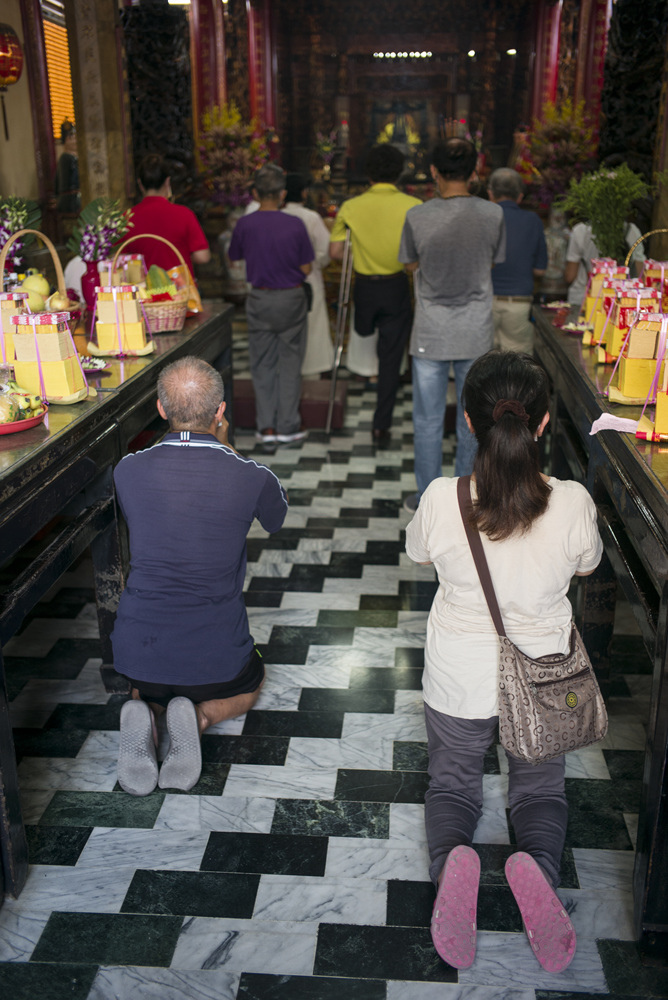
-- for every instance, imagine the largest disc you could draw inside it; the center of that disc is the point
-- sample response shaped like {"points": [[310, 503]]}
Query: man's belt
{"points": [[265, 288], [376, 277], [514, 298]]}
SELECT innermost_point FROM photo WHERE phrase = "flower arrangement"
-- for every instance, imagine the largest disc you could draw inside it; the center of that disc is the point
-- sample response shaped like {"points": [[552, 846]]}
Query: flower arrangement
{"points": [[17, 214], [99, 227], [604, 200], [230, 152], [559, 147], [325, 145]]}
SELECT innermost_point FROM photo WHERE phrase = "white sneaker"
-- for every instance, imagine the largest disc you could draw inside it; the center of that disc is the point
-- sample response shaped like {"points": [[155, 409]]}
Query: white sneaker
{"points": [[291, 438], [267, 436]]}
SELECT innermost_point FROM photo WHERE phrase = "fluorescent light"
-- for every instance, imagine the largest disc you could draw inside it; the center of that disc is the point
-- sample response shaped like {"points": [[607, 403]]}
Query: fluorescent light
{"points": [[511, 52], [471, 53]]}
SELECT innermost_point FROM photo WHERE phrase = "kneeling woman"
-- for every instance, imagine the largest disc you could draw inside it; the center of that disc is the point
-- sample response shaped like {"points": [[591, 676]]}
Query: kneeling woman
{"points": [[537, 533]]}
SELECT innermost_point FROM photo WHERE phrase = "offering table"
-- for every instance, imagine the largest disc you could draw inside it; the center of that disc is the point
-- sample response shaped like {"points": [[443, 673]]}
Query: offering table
{"points": [[56, 480], [628, 479]]}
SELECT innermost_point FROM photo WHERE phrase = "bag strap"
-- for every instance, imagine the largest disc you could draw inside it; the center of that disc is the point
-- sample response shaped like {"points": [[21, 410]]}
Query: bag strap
{"points": [[477, 551]]}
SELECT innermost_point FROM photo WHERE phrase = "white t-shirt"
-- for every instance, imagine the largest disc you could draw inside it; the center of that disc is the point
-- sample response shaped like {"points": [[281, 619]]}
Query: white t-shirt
{"points": [[531, 575], [582, 249]]}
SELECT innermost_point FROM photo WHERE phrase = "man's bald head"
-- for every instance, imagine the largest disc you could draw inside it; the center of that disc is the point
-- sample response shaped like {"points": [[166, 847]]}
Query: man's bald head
{"points": [[190, 392]]}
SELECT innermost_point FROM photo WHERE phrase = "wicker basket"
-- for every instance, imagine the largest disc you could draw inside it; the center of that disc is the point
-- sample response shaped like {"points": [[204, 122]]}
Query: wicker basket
{"points": [[161, 317]]}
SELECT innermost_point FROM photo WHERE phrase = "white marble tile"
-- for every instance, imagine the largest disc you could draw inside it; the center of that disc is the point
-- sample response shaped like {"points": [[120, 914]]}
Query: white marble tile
{"points": [[99, 742], [350, 857], [262, 620], [161, 849], [400, 726], [390, 533], [90, 774], [368, 753], [328, 601], [384, 641], [631, 820], [39, 636], [280, 782], [291, 675], [452, 991], [331, 901], [20, 932], [624, 736], [230, 727], [127, 982], [274, 696], [84, 890], [600, 914], [587, 763], [414, 622], [271, 557], [407, 824], [604, 869], [287, 948], [33, 803], [228, 813], [503, 958], [327, 657], [86, 689], [492, 826], [274, 569]]}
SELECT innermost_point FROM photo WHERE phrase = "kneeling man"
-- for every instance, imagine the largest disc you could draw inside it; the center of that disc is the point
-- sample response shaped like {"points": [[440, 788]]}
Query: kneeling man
{"points": [[181, 635]]}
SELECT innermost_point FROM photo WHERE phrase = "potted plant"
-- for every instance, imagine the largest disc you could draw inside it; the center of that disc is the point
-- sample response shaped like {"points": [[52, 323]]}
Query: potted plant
{"points": [[230, 152], [17, 214], [101, 225], [604, 200], [559, 147]]}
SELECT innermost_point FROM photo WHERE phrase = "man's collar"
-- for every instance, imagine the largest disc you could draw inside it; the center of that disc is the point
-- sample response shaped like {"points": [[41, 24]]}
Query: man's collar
{"points": [[384, 186]]}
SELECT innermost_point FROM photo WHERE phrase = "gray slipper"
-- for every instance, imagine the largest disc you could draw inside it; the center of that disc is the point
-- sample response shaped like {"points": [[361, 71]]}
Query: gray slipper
{"points": [[183, 764], [137, 766]]}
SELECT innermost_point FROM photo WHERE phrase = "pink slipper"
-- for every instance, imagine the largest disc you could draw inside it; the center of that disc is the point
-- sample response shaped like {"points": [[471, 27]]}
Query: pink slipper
{"points": [[550, 932], [453, 921]]}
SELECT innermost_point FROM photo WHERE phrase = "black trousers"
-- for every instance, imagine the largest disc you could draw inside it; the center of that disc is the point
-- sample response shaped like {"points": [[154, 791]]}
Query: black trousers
{"points": [[384, 303]]}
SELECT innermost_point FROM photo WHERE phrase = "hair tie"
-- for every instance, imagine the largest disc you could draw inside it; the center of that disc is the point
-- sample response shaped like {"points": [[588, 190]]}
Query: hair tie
{"points": [[510, 406]]}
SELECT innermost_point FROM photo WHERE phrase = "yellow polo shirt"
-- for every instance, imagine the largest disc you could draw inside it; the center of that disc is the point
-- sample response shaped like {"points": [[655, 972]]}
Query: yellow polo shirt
{"points": [[375, 219]]}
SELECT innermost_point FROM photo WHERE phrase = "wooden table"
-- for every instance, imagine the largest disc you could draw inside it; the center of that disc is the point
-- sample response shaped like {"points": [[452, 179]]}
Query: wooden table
{"points": [[628, 479], [62, 469]]}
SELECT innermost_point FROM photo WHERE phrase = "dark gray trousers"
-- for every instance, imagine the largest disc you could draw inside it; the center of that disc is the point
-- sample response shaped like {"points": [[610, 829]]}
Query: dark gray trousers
{"points": [[453, 803], [277, 323]]}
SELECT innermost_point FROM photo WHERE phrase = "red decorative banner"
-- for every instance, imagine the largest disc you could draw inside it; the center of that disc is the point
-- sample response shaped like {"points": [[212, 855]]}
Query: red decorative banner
{"points": [[261, 59], [548, 23]]}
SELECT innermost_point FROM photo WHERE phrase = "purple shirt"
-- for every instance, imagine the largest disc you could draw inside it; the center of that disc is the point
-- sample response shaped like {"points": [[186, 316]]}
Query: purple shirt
{"points": [[274, 246]]}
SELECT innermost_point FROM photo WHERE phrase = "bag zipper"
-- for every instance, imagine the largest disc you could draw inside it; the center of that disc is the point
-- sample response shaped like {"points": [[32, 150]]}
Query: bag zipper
{"points": [[557, 680]]}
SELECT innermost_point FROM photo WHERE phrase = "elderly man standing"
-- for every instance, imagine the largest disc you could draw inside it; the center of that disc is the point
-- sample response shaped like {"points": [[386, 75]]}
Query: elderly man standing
{"points": [[526, 259], [181, 634], [451, 242], [382, 294], [279, 256]]}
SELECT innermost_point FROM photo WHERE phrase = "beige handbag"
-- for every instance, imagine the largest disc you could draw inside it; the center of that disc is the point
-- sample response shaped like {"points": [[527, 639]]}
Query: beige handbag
{"points": [[547, 706]]}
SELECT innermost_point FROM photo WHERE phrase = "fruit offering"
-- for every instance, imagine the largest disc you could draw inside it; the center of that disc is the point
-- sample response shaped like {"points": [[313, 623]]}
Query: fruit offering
{"points": [[159, 286], [18, 404]]}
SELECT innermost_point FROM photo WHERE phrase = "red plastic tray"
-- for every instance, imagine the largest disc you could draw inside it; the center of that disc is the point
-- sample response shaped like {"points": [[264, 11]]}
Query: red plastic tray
{"points": [[23, 425]]}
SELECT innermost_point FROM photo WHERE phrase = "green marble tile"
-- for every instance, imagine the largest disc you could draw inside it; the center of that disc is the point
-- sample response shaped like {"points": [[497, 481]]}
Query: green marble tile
{"points": [[49, 742], [625, 763], [108, 939], [410, 756], [261, 986], [269, 750], [626, 974], [402, 953], [390, 678], [68, 716], [355, 785], [332, 819], [595, 817], [358, 619], [410, 904], [102, 809], [33, 981], [196, 894], [56, 845], [493, 858]]}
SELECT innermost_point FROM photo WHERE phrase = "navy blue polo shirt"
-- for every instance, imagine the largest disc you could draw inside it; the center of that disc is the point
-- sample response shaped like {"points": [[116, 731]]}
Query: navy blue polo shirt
{"points": [[189, 503], [525, 250]]}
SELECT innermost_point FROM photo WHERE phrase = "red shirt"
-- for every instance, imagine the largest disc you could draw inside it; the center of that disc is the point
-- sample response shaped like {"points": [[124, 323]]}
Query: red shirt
{"points": [[176, 223]]}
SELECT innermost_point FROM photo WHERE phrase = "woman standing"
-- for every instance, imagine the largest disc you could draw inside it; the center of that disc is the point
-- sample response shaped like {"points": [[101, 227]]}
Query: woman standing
{"points": [[537, 532]]}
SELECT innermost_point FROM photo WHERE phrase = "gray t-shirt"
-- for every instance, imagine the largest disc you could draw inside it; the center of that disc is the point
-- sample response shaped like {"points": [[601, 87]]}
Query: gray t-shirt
{"points": [[456, 242]]}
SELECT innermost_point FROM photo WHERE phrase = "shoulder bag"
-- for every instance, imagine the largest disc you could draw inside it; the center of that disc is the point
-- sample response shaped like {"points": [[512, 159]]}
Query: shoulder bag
{"points": [[547, 706]]}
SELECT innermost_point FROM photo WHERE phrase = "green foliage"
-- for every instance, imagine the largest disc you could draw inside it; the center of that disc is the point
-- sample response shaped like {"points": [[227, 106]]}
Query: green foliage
{"points": [[100, 225], [604, 200]]}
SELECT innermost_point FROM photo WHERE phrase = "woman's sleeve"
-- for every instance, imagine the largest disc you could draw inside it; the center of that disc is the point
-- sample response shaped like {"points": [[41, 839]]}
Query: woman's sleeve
{"points": [[417, 543], [592, 546]]}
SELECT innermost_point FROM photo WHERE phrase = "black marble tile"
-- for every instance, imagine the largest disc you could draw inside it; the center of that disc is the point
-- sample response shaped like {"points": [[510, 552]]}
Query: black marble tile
{"points": [[68, 716], [47, 981], [305, 497], [338, 457], [410, 904], [626, 974], [628, 655], [378, 508], [268, 750], [322, 818], [387, 473], [56, 845], [385, 678], [281, 584], [380, 786], [67, 603], [409, 755], [102, 809], [327, 725], [49, 742], [613, 687], [385, 602], [419, 588], [357, 619], [310, 464], [355, 521], [493, 858], [263, 599], [625, 764], [368, 558], [360, 480], [64, 661], [341, 700], [108, 939], [401, 953], [194, 894], [266, 853], [559, 995], [256, 546], [261, 986], [387, 549], [311, 635], [595, 817]]}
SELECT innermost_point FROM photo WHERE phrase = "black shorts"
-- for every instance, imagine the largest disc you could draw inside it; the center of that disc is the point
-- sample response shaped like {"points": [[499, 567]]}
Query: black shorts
{"points": [[247, 680]]}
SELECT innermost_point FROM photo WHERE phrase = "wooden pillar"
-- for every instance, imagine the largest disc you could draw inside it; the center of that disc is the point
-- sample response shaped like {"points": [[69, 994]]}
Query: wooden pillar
{"points": [[207, 58], [659, 243], [261, 61], [490, 69], [547, 55], [40, 101], [592, 40], [103, 133]]}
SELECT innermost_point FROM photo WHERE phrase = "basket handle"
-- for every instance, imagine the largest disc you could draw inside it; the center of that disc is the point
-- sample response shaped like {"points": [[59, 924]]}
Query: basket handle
{"points": [[60, 277], [644, 236], [142, 236]]}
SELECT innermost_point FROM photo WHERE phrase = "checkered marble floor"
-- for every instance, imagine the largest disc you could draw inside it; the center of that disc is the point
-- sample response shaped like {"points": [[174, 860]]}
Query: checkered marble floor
{"points": [[296, 869]]}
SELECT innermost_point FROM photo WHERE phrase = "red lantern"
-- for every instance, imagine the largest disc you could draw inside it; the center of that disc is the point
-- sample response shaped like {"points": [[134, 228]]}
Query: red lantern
{"points": [[11, 64]]}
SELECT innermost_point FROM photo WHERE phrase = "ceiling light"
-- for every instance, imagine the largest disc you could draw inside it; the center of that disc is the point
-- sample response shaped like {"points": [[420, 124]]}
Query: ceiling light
{"points": [[471, 53], [511, 52]]}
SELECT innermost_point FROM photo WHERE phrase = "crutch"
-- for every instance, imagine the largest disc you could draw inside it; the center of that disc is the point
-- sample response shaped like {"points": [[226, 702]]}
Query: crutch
{"points": [[341, 319]]}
